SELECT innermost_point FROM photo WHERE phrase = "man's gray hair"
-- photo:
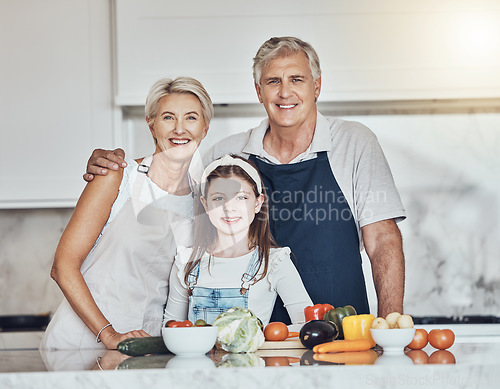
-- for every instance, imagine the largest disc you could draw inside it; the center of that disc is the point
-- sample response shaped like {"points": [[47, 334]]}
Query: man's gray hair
{"points": [[283, 46]]}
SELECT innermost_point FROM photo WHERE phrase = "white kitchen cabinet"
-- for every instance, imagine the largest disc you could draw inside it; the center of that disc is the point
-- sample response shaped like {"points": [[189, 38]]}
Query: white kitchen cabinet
{"points": [[56, 98], [369, 50]]}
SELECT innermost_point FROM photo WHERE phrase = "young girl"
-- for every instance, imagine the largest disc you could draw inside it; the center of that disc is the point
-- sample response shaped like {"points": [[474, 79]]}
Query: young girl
{"points": [[234, 260]]}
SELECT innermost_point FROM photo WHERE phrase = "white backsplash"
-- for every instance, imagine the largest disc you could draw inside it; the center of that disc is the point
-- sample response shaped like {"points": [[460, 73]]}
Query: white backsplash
{"points": [[446, 167], [28, 240]]}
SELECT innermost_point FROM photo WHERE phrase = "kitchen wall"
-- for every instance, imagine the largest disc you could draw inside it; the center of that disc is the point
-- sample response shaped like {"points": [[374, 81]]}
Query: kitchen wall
{"points": [[28, 239], [445, 166]]}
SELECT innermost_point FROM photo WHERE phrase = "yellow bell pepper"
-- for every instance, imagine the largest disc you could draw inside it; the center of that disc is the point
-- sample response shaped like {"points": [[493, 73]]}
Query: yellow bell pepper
{"points": [[358, 327]]}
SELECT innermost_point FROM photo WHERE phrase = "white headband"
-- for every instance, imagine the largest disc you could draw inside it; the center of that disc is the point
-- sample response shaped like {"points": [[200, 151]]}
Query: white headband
{"points": [[227, 160]]}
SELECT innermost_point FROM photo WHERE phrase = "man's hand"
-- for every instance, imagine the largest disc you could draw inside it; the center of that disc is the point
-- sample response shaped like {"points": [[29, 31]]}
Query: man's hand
{"points": [[384, 246], [101, 160]]}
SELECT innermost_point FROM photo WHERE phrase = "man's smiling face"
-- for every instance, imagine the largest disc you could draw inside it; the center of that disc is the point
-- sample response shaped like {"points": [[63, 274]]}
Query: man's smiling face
{"points": [[288, 91]]}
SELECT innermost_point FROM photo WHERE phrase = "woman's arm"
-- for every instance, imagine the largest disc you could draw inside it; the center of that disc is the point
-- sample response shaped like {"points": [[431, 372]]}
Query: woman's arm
{"points": [[86, 223]]}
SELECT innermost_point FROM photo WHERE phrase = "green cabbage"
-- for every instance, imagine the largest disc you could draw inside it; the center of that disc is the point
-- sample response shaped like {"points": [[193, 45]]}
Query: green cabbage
{"points": [[239, 330]]}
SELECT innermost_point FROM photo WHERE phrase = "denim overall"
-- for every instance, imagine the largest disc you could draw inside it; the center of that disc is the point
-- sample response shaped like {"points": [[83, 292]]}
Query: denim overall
{"points": [[309, 213], [208, 303]]}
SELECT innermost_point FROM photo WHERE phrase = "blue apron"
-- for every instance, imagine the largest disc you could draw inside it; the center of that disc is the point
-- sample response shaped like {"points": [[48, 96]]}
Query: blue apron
{"points": [[309, 213], [208, 303]]}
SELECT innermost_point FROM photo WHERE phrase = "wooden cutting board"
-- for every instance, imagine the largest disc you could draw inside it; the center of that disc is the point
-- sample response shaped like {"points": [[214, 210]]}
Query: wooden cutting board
{"points": [[293, 343]]}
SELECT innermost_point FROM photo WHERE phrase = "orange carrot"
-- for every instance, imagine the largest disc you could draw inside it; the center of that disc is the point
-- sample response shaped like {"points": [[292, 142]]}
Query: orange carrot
{"points": [[293, 335], [344, 345], [367, 357]]}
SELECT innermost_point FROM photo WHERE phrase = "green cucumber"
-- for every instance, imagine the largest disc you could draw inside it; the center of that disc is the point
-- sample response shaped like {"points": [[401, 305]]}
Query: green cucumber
{"points": [[142, 346]]}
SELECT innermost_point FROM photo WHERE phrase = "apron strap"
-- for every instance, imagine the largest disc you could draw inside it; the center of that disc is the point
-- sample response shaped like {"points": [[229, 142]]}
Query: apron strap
{"points": [[142, 169], [145, 165]]}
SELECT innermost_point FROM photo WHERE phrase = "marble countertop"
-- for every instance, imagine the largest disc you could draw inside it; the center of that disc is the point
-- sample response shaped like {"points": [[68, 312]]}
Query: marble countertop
{"points": [[475, 363]]}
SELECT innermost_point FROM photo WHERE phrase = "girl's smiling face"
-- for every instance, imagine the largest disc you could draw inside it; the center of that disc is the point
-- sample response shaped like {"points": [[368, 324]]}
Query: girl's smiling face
{"points": [[231, 205]]}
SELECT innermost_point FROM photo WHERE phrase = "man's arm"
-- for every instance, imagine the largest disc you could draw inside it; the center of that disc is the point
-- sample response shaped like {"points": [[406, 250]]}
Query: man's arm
{"points": [[101, 160], [384, 246]]}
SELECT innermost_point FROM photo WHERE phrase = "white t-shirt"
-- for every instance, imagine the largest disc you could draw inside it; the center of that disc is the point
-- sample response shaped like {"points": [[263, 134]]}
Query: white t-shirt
{"points": [[282, 278]]}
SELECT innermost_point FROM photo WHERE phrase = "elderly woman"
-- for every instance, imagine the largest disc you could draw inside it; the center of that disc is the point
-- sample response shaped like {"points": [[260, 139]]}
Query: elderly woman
{"points": [[114, 257]]}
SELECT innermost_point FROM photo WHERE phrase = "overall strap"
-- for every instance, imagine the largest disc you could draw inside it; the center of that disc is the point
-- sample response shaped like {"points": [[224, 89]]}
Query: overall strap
{"points": [[251, 272], [192, 279]]}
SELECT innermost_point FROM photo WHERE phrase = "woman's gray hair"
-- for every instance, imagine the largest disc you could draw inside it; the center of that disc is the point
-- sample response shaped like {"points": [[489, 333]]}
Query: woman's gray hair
{"points": [[167, 86], [283, 46]]}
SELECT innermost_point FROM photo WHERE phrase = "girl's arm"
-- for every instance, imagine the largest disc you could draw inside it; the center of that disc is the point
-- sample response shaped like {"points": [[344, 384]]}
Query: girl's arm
{"points": [[86, 223], [290, 288], [178, 301]]}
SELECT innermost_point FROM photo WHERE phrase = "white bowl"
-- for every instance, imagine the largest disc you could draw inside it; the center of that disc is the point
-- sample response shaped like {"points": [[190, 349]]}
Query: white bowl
{"points": [[393, 340], [189, 341]]}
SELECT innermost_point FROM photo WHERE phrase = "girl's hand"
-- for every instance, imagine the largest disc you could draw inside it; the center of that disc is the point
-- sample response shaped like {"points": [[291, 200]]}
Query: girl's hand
{"points": [[112, 338]]}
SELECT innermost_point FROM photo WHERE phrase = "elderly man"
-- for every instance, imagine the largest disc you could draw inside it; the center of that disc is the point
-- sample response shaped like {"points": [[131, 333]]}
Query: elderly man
{"points": [[329, 185]]}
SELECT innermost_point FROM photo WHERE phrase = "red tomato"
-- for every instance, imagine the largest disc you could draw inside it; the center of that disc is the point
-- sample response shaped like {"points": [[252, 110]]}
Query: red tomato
{"points": [[185, 323], [442, 357], [419, 340], [276, 331], [419, 357], [441, 339]]}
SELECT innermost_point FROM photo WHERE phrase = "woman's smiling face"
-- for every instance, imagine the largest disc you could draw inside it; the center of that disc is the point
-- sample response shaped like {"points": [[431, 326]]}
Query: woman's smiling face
{"points": [[179, 127], [231, 205]]}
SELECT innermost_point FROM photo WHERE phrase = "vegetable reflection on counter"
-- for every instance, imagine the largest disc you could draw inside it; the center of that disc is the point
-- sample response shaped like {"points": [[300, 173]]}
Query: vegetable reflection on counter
{"points": [[442, 357], [367, 357], [241, 360], [420, 357], [145, 362]]}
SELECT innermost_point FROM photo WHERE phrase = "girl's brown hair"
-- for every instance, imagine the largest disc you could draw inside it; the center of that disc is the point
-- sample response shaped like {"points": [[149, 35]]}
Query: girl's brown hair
{"points": [[205, 234]]}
